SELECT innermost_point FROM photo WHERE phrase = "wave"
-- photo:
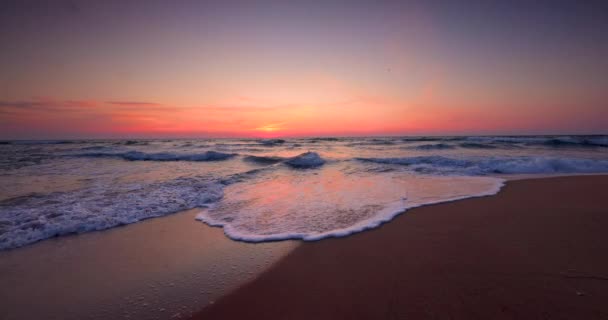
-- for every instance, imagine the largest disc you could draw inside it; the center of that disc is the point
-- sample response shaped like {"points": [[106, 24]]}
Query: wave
{"points": [[162, 156], [243, 176], [263, 159], [496, 165], [435, 146], [549, 141], [306, 160], [94, 148], [251, 143], [372, 142], [541, 165], [99, 205], [437, 161], [192, 145], [36, 217], [324, 139], [429, 139], [133, 143], [241, 150], [43, 142], [576, 142], [598, 140], [472, 145], [272, 142], [223, 144], [308, 211]]}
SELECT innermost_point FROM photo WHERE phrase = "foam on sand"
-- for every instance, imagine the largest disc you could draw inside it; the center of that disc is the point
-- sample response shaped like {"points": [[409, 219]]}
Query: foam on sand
{"points": [[53, 188], [39, 216], [311, 206]]}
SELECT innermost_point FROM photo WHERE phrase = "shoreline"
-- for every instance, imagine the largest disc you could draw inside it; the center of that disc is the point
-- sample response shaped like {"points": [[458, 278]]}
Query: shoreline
{"points": [[533, 250], [534, 176], [173, 266], [154, 269]]}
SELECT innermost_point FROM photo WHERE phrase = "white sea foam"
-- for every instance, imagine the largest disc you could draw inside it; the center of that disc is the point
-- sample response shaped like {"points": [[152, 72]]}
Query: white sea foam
{"points": [[496, 165], [60, 187], [272, 142], [306, 160], [39, 216], [312, 207], [554, 141], [162, 156]]}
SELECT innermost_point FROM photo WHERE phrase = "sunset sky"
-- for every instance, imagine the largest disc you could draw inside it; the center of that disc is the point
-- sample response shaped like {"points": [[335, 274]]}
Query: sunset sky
{"points": [[111, 69]]}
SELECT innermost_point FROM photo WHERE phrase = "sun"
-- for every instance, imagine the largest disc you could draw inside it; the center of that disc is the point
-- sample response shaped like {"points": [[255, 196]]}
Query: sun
{"points": [[273, 127]]}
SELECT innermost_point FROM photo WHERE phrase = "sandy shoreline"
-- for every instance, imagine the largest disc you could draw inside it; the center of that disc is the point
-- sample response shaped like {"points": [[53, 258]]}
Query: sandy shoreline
{"points": [[537, 250], [155, 269]]}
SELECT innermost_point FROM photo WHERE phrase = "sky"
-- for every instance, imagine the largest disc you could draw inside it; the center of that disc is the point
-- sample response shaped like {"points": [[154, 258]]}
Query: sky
{"points": [[160, 69]]}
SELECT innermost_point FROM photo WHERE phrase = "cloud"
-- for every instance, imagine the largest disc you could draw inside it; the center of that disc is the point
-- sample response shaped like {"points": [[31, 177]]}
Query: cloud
{"points": [[133, 103], [44, 105], [21, 104], [49, 104], [236, 108]]}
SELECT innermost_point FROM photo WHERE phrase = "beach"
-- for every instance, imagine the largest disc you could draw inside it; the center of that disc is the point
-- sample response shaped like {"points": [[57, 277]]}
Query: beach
{"points": [[537, 250], [156, 269], [247, 159]]}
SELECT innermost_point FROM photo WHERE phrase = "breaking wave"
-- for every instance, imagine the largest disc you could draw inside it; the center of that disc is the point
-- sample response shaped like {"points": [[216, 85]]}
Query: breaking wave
{"points": [[550, 141], [52, 188], [436, 146], [496, 165], [264, 160], [472, 145], [306, 160], [35, 217], [162, 156]]}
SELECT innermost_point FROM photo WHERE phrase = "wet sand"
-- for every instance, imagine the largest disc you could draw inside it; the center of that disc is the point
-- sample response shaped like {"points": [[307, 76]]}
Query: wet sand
{"points": [[537, 250], [156, 269]]}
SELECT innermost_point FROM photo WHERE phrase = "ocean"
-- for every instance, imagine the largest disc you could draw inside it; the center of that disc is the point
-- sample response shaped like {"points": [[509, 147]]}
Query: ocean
{"points": [[264, 189]]}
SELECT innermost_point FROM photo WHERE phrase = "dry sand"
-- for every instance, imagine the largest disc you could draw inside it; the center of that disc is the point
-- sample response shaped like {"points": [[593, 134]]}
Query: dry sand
{"points": [[537, 250]]}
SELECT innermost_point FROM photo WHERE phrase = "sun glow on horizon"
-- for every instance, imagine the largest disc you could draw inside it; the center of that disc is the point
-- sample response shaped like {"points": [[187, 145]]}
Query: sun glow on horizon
{"points": [[273, 127]]}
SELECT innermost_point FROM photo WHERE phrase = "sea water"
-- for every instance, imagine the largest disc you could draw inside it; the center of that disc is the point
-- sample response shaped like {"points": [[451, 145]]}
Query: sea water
{"points": [[264, 189]]}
